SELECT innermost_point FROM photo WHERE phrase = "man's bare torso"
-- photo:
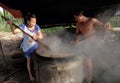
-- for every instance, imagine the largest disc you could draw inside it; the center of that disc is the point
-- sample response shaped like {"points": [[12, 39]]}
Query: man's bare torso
{"points": [[86, 28]]}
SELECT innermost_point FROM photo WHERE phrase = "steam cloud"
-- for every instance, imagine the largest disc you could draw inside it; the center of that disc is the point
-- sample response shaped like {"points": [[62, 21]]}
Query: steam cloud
{"points": [[103, 51]]}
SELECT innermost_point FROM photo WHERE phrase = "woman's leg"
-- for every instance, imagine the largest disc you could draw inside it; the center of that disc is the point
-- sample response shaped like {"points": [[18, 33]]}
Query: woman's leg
{"points": [[29, 69], [28, 56]]}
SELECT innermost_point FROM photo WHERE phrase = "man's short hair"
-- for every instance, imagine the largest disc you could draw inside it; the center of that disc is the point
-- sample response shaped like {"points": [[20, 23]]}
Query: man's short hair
{"points": [[81, 13], [78, 13]]}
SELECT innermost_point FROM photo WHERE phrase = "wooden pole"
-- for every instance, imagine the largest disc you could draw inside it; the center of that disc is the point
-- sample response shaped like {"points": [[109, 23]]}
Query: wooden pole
{"points": [[41, 43], [3, 56]]}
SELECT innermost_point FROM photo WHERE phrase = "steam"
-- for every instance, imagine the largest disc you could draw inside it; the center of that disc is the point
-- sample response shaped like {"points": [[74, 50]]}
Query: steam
{"points": [[106, 15], [105, 53], [61, 45], [106, 57]]}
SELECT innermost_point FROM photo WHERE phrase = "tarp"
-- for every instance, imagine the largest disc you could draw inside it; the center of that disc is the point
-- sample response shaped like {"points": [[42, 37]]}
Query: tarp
{"points": [[15, 13], [54, 12]]}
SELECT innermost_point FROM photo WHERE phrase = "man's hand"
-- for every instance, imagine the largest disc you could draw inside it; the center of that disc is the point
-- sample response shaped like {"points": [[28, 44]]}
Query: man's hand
{"points": [[107, 26]]}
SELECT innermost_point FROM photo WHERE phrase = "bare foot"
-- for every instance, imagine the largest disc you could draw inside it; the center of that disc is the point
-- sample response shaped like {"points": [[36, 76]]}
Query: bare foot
{"points": [[76, 42], [32, 78]]}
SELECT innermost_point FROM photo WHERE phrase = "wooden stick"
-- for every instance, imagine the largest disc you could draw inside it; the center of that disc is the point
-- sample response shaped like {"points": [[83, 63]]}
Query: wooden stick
{"points": [[10, 75], [44, 45], [3, 56], [83, 38]]}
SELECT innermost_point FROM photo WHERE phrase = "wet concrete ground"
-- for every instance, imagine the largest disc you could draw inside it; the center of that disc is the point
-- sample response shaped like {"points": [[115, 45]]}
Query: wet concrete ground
{"points": [[106, 60], [9, 73]]}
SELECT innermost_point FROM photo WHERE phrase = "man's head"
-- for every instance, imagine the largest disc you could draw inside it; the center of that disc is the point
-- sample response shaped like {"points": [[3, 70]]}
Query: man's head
{"points": [[81, 13], [78, 16]]}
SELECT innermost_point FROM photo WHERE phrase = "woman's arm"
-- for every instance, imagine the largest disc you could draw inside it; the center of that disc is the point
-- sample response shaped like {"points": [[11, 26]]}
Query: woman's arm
{"points": [[40, 34], [13, 29]]}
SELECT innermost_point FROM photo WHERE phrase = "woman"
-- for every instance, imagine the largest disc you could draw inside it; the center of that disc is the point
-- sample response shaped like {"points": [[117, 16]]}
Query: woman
{"points": [[29, 45]]}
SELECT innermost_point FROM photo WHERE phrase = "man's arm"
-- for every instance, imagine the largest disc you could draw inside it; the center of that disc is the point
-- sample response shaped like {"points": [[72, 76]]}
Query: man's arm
{"points": [[77, 35], [77, 29], [97, 22], [105, 25]]}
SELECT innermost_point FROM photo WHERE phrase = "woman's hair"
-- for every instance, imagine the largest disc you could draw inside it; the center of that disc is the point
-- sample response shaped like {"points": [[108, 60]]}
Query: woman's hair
{"points": [[28, 17]]}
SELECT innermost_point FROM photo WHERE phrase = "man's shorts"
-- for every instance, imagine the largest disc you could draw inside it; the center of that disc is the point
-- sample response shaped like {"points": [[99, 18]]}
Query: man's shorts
{"points": [[30, 52]]}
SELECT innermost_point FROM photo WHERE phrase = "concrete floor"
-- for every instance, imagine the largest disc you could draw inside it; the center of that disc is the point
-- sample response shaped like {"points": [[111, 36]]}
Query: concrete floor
{"points": [[18, 74]]}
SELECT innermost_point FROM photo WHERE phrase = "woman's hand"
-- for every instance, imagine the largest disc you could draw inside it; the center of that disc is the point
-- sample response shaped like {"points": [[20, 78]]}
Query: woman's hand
{"points": [[35, 37], [10, 22]]}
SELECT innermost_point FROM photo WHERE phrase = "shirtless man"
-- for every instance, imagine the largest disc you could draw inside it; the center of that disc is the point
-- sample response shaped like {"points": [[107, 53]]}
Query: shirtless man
{"points": [[85, 26]]}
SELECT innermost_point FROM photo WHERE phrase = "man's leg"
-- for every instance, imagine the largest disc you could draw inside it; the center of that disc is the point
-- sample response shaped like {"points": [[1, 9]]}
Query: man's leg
{"points": [[90, 70], [77, 39]]}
